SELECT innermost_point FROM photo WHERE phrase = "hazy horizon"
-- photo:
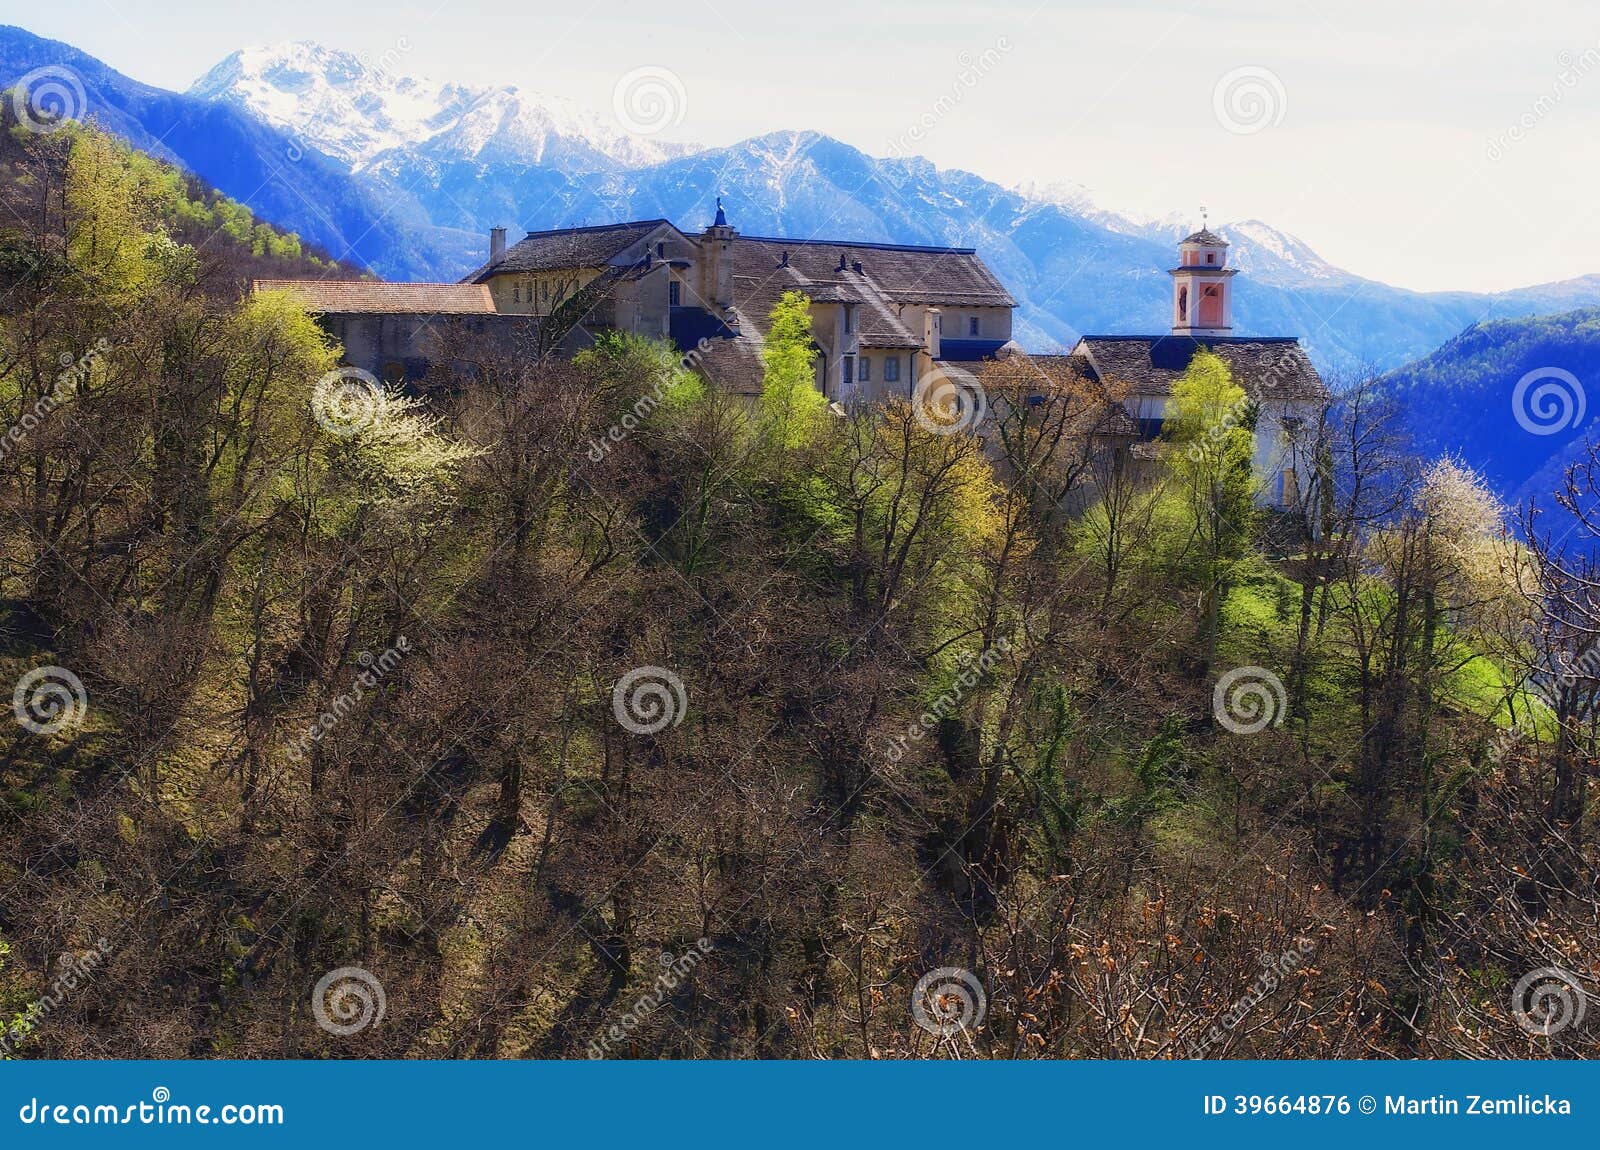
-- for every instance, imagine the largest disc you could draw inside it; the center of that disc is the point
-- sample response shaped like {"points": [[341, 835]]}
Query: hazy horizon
{"points": [[1433, 148]]}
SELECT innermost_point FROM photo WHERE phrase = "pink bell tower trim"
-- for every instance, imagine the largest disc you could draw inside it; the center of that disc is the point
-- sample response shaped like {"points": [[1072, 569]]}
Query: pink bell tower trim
{"points": [[1202, 287]]}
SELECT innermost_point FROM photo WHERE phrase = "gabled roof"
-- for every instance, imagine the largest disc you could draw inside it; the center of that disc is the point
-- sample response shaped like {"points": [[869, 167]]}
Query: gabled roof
{"points": [[901, 273], [337, 297], [1266, 367], [561, 248]]}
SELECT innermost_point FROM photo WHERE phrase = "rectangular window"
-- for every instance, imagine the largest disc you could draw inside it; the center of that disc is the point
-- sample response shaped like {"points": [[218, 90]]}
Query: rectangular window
{"points": [[866, 369], [1211, 257], [673, 293], [849, 318], [849, 375], [891, 369], [972, 325]]}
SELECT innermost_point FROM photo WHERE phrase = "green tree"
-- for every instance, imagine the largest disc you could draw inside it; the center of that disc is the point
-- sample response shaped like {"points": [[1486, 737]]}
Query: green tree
{"points": [[1210, 425], [791, 406]]}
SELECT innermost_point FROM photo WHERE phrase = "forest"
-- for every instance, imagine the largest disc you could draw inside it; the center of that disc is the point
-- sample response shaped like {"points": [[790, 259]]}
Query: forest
{"points": [[580, 709]]}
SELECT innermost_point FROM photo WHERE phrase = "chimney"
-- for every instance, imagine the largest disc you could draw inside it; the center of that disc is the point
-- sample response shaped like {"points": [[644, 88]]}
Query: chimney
{"points": [[855, 266], [785, 258], [841, 266], [497, 245]]}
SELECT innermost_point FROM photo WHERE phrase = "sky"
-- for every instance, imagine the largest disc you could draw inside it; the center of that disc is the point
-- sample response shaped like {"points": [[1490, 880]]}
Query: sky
{"points": [[1430, 145]]}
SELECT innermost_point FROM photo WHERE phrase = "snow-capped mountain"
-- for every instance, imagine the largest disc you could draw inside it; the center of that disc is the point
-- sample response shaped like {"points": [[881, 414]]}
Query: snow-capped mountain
{"points": [[361, 112], [406, 176], [1257, 248]]}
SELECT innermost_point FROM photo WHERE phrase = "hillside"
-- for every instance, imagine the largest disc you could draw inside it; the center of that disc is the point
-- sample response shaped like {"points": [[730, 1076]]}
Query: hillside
{"points": [[276, 176], [1463, 400], [773, 731]]}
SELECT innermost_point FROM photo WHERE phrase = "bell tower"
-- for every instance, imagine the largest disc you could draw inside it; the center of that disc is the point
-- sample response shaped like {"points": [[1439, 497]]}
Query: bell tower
{"points": [[1202, 285], [716, 262]]}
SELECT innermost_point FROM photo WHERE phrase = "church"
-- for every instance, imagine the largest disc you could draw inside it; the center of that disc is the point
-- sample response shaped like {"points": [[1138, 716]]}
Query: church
{"points": [[1274, 371], [884, 317]]}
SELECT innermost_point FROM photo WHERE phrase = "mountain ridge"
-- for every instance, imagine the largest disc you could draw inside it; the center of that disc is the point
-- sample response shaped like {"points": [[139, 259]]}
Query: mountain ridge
{"points": [[420, 209]]}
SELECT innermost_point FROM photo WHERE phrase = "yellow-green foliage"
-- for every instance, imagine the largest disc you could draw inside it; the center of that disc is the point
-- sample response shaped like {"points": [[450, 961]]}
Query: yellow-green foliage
{"points": [[124, 190], [792, 409]]}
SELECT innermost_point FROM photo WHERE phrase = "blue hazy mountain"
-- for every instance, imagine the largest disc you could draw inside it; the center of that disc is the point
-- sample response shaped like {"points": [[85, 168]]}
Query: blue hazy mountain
{"points": [[406, 176], [1516, 399], [282, 179]]}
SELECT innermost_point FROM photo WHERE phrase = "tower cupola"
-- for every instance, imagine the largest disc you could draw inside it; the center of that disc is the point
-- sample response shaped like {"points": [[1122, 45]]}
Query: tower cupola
{"points": [[1202, 288]]}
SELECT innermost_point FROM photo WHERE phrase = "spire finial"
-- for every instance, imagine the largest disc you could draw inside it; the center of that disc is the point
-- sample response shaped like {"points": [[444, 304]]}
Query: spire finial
{"points": [[1203, 217]]}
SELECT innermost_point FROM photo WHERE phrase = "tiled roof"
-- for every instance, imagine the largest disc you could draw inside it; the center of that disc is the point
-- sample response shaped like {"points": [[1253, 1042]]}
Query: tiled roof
{"points": [[1204, 236], [590, 247], [735, 364], [901, 273], [1267, 368], [337, 297]]}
